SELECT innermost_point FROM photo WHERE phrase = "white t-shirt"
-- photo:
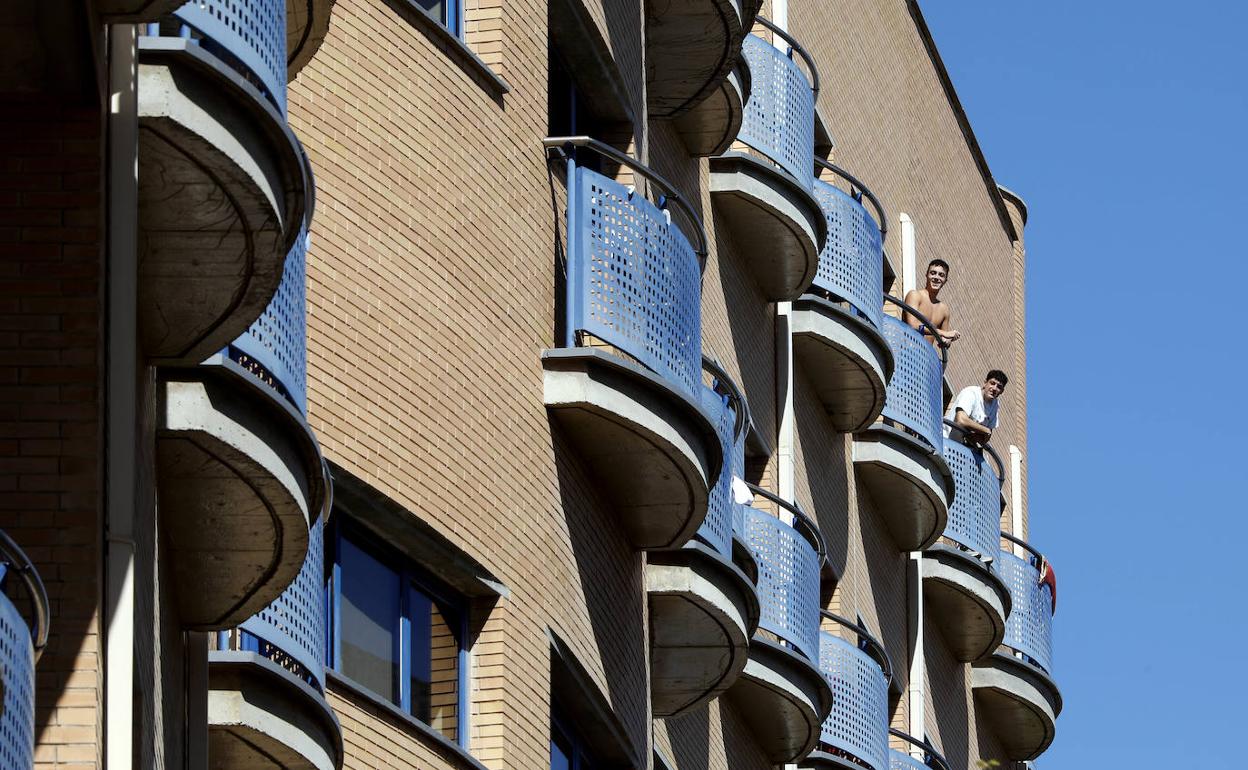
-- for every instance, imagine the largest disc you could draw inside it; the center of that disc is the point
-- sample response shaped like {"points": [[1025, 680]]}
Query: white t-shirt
{"points": [[971, 400]]}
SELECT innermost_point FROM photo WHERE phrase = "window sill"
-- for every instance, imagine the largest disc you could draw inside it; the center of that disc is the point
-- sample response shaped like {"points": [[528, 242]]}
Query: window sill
{"points": [[447, 749], [454, 48]]}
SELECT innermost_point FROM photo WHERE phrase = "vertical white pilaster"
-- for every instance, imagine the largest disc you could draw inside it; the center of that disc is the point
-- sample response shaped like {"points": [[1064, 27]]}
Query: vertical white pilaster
{"points": [[1017, 528], [909, 256], [916, 690], [785, 461]]}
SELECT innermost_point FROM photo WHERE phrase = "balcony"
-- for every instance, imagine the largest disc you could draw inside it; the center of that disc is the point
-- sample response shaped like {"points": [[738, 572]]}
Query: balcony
{"points": [[703, 608], [625, 388], [917, 755], [240, 479], [692, 73], [960, 581], [836, 327], [764, 189], [856, 667], [1014, 687], [307, 23], [782, 695], [266, 682], [899, 460], [21, 645], [223, 183]]}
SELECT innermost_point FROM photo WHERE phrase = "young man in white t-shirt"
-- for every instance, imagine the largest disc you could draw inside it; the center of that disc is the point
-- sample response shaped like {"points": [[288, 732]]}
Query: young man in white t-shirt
{"points": [[974, 410]]}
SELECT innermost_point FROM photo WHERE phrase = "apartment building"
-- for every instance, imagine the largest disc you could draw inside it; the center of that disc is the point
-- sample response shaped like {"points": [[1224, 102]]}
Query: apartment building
{"points": [[474, 384]]}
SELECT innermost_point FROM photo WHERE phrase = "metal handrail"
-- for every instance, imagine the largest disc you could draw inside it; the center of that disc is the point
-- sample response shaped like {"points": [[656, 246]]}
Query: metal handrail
{"points": [[716, 370], [1018, 541], [941, 345], [996, 458], [811, 530], [670, 194], [15, 560], [881, 654], [933, 756], [797, 47], [882, 215]]}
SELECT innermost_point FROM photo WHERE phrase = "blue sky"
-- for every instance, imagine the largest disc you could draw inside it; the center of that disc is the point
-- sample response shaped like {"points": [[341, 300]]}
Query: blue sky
{"points": [[1122, 124]]}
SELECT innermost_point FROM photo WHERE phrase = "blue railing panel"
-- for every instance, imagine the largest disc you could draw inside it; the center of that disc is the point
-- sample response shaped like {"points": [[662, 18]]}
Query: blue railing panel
{"points": [[858, 723], [1029, 629], [900, 760], [275, 348], [851, 265], [788, 581], [294, 624], [779, 118], [716, 529], [251, 33], [975, 513], [17, 673], [913, 398], [635, 281]]}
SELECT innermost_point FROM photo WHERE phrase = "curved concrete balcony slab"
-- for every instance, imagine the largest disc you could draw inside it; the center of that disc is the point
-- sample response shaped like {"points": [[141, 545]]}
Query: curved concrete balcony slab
{"points": [[783, 698], [847, 359], [691, 46], [307, 23], [968, 602], [118, 11], [710, 126], [703, 611], [239, 481], [261, 716], [909, 484], [775, 223], [222, 192], [826, 760], [1020, 701], [652, 449]]}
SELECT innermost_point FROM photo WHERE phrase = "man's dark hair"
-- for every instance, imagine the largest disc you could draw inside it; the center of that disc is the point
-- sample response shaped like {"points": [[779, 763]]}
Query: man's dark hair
{"points": [[999, 376], [939, 263]]}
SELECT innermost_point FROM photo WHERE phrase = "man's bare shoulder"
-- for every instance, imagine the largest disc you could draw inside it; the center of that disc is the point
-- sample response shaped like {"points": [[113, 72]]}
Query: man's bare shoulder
{"points": [[917, 299]]}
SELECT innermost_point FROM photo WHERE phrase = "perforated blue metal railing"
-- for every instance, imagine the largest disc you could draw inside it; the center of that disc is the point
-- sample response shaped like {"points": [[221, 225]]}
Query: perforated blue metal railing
{"points": [[858, 722], [17, 675], [1029, 629], [788, 581], [899, 760], [913, 398], [249, 34], [851, 265], [633, 279], [291, 630], [974, 514], [779, 118], [275, 348], [716, 529]]}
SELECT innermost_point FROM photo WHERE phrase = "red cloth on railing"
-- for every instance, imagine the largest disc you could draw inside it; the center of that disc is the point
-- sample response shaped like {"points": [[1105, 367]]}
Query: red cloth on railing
{"points": [[1049, 578]]}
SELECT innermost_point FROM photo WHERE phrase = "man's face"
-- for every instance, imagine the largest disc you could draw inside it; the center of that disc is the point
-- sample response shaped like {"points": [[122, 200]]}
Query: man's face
{"points": [[992, 389], [936, 277]]}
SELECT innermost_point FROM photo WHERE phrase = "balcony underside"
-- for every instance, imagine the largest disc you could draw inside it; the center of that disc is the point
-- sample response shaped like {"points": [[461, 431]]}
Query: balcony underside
{"points": [[691, 46], [776, 225], [784, 700], [711, 125], [649, 446], [307, 23], [239, 480], [1021, 703], [222, 191], [823, 760], [261, 716], [969, 603], [703, 611], [118, 11], [910, 486], [847, 360]]}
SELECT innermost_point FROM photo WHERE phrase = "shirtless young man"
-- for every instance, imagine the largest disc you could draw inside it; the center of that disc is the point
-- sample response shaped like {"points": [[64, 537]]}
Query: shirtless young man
{"points": [[927, 301]]}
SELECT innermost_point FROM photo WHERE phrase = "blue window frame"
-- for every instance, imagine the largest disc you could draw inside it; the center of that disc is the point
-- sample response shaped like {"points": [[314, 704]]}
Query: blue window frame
{"points": [[397, 631], [448, 13], [568, 750]]}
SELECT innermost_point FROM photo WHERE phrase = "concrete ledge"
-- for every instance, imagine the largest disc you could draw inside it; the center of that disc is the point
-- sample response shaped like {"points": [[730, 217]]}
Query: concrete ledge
{"points": [[777, 224], [968, 602], [1021, 702], [307, 24], [261, 716], [223, 189], [848, 361], [710, 126], [909, 485], [691, 46], [649, 446], [239, 480], [784, 700], [822, 760], [703, 611]]}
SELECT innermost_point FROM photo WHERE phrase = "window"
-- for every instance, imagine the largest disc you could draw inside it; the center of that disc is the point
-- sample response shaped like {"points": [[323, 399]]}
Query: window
{"points": [[448, 13], [397, 631], [567, 749]]}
